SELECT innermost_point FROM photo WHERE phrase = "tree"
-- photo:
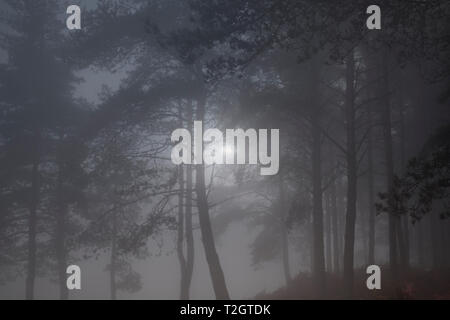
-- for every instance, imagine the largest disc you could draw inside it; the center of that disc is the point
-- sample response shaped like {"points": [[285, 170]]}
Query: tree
{"points": [[425, 183], [36, 96], [120, 184]]}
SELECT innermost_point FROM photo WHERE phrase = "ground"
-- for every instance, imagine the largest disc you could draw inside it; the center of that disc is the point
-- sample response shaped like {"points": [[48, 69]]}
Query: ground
{"points": [[415, 284]]}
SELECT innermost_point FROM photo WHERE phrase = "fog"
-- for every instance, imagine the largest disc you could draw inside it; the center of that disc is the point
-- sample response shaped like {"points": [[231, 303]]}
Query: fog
{"points": [[89, 176]]}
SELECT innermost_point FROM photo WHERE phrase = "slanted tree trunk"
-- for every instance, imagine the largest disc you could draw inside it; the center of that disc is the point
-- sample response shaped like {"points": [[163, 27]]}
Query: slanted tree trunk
{"points": [[32, 223], [215, 268], [180, 235], [284, 232], [350, 222], [188, 218], [185, 222]]}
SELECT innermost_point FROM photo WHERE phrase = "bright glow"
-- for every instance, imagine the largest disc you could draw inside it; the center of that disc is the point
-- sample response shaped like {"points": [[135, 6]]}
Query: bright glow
{"points": [[228, 149]]}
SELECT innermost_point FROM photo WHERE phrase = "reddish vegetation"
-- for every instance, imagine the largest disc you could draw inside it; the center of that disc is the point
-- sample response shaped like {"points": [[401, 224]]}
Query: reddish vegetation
{"points": [[416, 284]]}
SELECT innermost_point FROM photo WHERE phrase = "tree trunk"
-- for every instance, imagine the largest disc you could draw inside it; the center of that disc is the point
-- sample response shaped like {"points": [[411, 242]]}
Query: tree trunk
{"points": [[371, 200], [363, 228], [188, 211], [329, 253], [215, 269], [318, 241], [284, 232], [61, 241], [112, 266], [405, 218], [387, 135], [401, 243], [442, 243], [180, 235], [310, 237], [435, 229], [334, 221], [350, 222], [373, 73], [32, 223], [317, 248], [341, 188], [420, 244]]}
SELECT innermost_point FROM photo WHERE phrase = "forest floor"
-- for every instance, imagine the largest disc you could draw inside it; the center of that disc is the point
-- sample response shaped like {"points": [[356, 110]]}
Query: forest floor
{"points": [[415, 284]]}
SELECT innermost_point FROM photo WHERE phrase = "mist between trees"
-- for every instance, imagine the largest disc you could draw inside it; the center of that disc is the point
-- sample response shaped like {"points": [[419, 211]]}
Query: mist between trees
{"points": [[86, 175]]}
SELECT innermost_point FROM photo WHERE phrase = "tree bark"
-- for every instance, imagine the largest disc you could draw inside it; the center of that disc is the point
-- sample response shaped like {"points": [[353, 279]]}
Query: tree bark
{"points": [[318, 241], [420, 244], [350, 222], [373, 73], [334, 221], [405, 218], [61, 254], [387, 135], [329, 253], [341, 189], [180, 235], [284, 233], [371, 200], [363, 228], [188, 218], [215, 268], [318, 254], [112, 266], [32, 223]]}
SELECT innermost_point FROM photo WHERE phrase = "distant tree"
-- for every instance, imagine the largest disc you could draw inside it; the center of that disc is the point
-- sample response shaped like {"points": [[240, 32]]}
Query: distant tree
{"points": [[425, 185], [120, 185], [38, 118]]}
